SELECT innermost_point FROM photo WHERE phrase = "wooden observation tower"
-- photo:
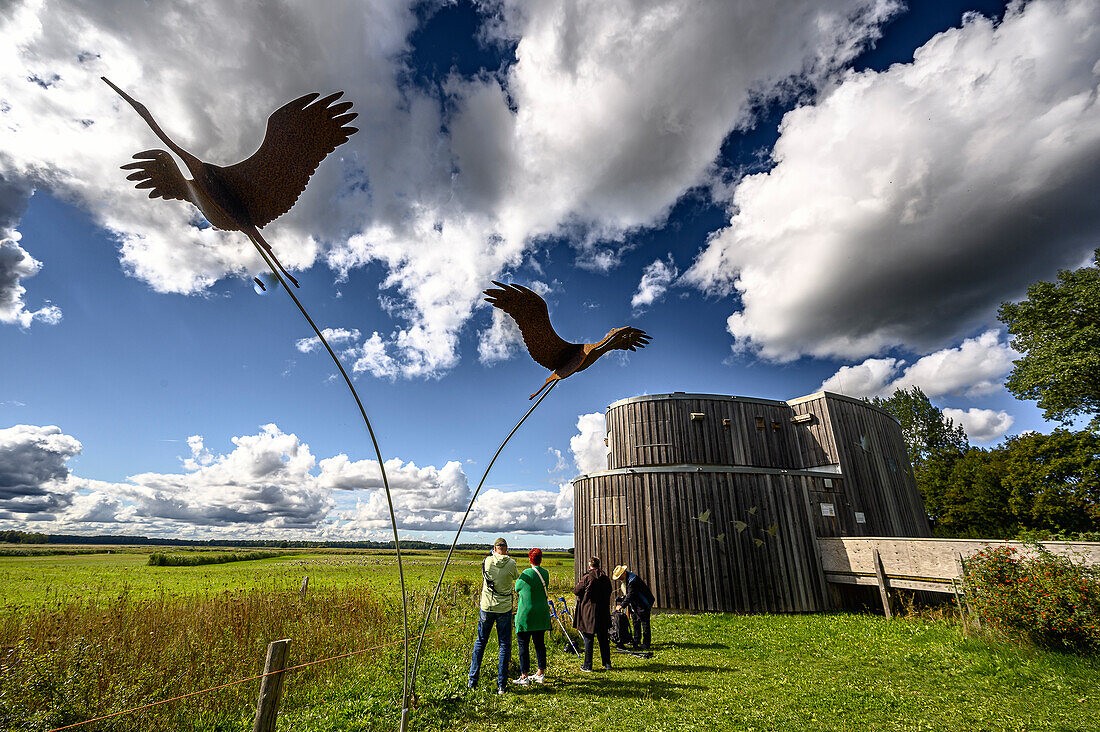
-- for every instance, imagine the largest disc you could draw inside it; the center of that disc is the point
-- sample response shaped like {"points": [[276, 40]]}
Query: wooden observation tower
{"points": [[718, 501]]}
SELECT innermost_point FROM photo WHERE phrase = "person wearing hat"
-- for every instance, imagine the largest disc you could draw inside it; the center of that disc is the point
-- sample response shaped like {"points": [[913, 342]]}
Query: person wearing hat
{"points": [[498, 573], [637, 599]]}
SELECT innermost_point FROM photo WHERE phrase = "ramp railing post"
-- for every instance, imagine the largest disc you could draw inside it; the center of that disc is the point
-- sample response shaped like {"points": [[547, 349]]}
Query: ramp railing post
{"points": [[880, 577]]}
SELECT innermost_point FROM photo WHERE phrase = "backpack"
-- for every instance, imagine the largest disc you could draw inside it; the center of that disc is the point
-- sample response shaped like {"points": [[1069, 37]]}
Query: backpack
{"points": [[619, 632]]}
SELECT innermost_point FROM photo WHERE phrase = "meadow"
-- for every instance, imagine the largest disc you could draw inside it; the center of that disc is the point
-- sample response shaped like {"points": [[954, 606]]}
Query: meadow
{"points": [[90, 634]]}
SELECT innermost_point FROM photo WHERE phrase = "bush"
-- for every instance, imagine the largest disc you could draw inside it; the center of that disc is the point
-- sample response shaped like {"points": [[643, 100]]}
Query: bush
{"points": [[159, 559], [1044, 597], [49, 552]]}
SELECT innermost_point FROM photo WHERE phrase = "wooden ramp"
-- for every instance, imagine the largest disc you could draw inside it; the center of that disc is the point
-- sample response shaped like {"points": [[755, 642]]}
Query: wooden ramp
{"points": [[922, 564]]}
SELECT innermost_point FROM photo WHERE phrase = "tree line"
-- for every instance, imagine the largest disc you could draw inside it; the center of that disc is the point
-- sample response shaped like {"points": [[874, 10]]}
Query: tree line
{"points": [[1031, 485]]}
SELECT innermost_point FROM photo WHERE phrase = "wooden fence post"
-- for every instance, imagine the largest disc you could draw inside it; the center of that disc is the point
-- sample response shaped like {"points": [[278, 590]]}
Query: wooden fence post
{"points": [[880, 576], [304, 587], [966, 587], [271, 687]]}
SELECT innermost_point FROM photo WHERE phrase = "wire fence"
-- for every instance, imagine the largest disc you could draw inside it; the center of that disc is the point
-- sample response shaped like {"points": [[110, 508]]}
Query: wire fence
{"points": [[238, 682]]}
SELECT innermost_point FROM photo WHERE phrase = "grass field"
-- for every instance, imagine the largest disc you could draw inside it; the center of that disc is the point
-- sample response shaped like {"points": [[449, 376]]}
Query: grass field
{"points": [[86, 635], [33, 581]]}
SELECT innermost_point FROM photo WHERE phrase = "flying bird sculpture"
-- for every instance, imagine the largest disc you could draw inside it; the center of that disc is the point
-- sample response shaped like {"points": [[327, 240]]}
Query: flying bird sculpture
{"points": [[545, 346], [251, 194], [254, 192]]}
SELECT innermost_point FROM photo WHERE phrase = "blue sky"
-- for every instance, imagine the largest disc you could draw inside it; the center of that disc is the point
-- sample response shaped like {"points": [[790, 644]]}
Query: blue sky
{"points": [[783, 197]]}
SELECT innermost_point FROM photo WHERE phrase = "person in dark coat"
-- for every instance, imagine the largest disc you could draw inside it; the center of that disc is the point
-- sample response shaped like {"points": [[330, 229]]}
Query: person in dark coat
{"points": [[592, 616], [637, 599]]}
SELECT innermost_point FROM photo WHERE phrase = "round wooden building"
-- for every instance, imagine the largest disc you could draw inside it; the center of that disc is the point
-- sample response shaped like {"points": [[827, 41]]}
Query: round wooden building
{"points": [[718, 501]]}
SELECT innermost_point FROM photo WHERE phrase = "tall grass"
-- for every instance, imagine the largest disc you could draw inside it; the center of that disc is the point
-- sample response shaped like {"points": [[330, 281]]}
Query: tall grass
{"points": [[82, 658]]}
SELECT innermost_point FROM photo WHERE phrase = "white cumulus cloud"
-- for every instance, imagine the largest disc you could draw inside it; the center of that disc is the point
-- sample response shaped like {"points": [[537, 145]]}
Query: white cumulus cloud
{"points": [[372, 356], [867, 379], [587, 446], [268, 482], [34, 471], [265, 480], [609, 113], [500, 340], [655, 281], [16, 265], [334, 336], [975, 367], [905, 205], [981, 425]]}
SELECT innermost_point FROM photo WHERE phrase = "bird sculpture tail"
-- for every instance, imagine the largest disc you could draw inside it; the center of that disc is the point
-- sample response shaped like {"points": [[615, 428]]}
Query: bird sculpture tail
{"points": [[254, 235]]}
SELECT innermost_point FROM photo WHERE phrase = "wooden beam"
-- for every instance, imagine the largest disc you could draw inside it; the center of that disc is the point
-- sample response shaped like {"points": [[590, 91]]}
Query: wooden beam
{"points": [[883, 590]]}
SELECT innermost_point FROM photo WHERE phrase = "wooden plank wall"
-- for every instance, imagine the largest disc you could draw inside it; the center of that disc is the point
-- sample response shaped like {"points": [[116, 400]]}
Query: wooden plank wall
{"points": [[843, 523], [661, 432], [815, 438], [879, 481], [927, 558], [720, 542]]}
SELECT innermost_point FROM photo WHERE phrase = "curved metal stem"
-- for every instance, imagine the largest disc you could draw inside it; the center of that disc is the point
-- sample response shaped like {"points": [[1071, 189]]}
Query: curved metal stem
{"points": [[447, 561], [377, 452]]}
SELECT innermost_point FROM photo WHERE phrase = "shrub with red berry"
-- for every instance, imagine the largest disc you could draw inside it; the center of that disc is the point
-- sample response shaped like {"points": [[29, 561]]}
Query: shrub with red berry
{"points": [[1043, 597]]}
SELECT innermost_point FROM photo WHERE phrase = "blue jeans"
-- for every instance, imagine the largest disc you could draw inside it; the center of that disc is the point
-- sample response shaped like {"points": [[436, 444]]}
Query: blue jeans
{"points": [[485, 623]]}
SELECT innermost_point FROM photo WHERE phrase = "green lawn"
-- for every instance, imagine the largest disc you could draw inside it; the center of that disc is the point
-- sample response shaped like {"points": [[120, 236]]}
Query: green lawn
{"points": [[820, 672], [73, 659]]}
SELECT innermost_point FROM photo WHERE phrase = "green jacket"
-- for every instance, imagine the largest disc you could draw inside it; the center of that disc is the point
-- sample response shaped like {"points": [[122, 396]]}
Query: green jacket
{"points": [[533, 613], [501, 569]]}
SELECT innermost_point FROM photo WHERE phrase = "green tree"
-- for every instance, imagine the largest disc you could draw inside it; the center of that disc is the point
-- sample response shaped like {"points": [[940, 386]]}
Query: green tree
{"points": [[972, 499], [1053, 481], [925, 429], [932, 441], [1057, 329]]}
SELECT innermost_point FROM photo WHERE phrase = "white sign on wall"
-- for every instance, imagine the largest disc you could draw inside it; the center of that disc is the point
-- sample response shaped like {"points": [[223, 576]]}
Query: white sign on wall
{"points": [[827, 509], [861, 518]]}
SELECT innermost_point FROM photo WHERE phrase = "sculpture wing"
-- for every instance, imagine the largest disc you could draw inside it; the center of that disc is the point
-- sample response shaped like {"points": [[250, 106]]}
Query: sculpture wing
{"points": [[530, 313], [630, 339], [157, 171], [299, 136]]}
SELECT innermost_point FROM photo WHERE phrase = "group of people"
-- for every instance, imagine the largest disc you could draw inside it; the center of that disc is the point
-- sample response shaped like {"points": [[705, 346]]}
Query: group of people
{"points": [[591, 614]]}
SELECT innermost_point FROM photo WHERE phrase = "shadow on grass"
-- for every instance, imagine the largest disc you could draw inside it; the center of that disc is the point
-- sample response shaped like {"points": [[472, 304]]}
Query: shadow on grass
{"points": [[664, 668], [697, 646], [609, 684]]}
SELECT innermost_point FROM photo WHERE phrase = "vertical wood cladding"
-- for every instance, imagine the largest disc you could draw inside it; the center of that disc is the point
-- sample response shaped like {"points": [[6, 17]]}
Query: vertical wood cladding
{"points": [[718, 542], [877, 471], [728, 431], [705, 496]]}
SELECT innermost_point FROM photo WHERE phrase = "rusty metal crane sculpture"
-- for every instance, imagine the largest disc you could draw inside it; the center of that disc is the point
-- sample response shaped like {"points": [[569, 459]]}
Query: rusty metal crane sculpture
{"points": [[546, 347], [549, 350], [251, 194], [254, 192]]}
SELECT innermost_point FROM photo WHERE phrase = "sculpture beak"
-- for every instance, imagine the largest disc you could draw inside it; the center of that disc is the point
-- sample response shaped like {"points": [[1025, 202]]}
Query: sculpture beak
{"points": [[138, 106]]}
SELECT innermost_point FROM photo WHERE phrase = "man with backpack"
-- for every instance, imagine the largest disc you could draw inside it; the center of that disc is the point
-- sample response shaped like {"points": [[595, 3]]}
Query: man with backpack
{"points": [[499, 574], [637, 599]]}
